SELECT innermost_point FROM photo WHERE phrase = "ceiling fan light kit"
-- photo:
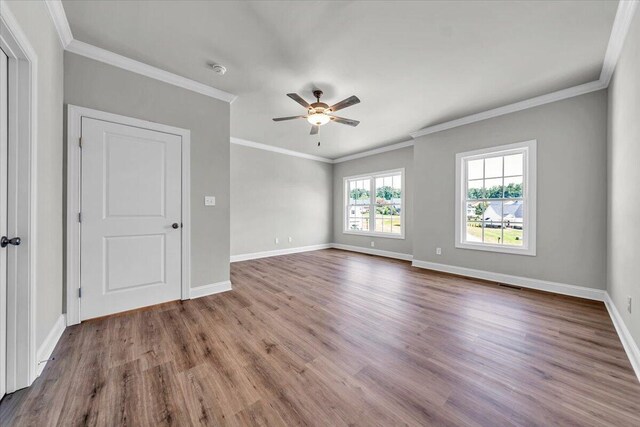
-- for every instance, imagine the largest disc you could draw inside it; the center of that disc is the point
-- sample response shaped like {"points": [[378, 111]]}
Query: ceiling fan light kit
{"points": [[318, 113], [318, 119]]}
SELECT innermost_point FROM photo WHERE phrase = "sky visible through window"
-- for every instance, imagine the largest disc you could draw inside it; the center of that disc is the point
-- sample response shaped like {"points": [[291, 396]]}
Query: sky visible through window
{"points": [[495, 204], [378, 211]]}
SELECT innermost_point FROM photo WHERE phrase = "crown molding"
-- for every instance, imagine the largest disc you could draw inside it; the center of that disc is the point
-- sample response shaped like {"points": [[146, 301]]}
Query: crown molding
{"points": [[368, 153], [265, 147], [108, 57], [621, 24], [8, 19], [56, 10], [59, 18], [512, 108]]}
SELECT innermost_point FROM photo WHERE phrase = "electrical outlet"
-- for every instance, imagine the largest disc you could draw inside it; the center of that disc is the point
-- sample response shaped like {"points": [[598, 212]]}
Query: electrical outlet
{"points": [[438, 251], [290, 239], [373, 244], [209, 200], [629, 304], [277, 240]]}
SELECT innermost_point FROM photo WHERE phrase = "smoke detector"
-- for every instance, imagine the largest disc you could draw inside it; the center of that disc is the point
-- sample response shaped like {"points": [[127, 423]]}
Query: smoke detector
{"points": [[219, 69]]}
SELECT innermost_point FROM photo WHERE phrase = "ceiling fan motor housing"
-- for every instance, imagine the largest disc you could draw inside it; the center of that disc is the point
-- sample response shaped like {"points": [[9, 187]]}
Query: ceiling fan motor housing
{"points": [[317, 113]]}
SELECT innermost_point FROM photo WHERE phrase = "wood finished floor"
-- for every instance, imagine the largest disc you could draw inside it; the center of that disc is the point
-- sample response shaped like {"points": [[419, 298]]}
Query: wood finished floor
{"points": [[338, 338]]}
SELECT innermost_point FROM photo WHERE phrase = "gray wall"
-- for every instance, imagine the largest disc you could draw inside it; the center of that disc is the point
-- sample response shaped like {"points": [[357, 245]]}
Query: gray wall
{"points": [[623, 263], [402, 158], [276, 195], [35, 21], [92, 84], [571, 200]]}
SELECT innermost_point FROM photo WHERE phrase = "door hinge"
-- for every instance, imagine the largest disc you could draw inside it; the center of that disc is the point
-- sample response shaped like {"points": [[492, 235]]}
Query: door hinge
{"points": [[79, 292], [80, 142], [79, 216]]}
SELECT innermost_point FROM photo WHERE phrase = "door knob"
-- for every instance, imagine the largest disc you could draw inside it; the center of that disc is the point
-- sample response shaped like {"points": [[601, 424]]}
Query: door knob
{"points": [[4, 241], [175, 225]]}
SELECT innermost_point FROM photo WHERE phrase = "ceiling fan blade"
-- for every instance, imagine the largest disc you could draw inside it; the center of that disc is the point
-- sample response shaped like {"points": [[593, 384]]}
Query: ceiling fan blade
{"points": [[299, 99], [352, 100], [344, 121], [280, 119], [314, 130]]}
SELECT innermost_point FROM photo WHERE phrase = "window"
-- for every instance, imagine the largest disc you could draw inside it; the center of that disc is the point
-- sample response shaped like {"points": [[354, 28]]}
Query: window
{"points": [[374, 204], [495, 199]]}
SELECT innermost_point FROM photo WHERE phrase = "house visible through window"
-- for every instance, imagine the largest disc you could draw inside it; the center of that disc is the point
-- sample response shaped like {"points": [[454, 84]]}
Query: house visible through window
{"points": [[374, 204], [496, 199]]}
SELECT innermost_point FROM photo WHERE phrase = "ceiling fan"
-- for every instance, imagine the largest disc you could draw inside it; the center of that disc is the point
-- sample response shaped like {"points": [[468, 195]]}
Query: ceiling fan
{"points": [[318, 113]]}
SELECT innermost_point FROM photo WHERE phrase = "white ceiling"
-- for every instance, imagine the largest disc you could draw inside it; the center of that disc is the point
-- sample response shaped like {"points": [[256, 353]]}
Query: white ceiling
{"points": [[413, 64]]}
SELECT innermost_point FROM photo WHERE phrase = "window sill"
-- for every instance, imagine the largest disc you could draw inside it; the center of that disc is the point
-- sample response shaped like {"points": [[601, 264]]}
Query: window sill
{"points": [[497, 248], [374, 234]]}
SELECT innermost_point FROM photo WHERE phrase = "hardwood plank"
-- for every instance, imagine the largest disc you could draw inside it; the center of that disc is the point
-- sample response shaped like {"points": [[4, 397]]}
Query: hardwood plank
{"points": [[339, 338]]}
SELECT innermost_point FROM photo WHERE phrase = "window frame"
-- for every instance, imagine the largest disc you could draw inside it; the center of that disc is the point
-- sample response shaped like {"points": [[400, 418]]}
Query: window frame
{"points": [[528, 149], [372, 204]]}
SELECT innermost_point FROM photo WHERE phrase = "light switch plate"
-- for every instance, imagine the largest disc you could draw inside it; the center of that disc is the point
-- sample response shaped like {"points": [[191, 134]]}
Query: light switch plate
{"points": [[209, 200]]}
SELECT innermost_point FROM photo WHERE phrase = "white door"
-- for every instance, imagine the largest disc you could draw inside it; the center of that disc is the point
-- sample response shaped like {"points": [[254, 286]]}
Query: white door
{"points": [[130, 218], [4, 133]]}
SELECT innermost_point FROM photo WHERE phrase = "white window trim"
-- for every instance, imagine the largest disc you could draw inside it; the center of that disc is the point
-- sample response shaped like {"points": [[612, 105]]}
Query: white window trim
{"points": [[529, 180], [372, 176]]}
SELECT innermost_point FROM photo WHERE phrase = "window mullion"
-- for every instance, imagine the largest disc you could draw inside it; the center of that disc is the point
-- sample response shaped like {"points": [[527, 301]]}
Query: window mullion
{"points": [[372, 204]]}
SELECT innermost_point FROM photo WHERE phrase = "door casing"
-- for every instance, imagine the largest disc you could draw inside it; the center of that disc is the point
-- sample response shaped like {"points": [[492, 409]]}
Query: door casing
{"points": [[74, 164], [21, 198]]}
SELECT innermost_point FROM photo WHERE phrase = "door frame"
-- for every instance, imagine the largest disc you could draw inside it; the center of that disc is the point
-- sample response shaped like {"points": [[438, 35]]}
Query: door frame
{"points": [[74, 180], [21, 358]]}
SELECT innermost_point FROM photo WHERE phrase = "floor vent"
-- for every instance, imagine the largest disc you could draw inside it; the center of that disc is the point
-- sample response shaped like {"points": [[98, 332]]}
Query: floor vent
{"points": [[504, 285]]}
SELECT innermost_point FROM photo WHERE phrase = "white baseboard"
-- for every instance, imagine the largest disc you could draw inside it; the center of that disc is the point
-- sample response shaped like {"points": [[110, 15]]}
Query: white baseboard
{"points": [[630, 346], [277, 252], [214, 288], [372, 251], [525, 282], [46, 348]]}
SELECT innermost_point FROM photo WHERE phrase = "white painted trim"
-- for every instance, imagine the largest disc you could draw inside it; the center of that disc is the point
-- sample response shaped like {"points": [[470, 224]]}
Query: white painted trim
{"points": [[525, 282], [214, 288], [22, 196], [372, 177], [375, 151], [618, 33], [375, 234], [59, 17], [621, 24], [624, 15], [74, 131], [372, 251], [49, 344], [288, 251], [108, 57], [512, 108], [528, 149], [278, 252], [630, 346], [267, 147], [260, 146], [185, 222]]}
